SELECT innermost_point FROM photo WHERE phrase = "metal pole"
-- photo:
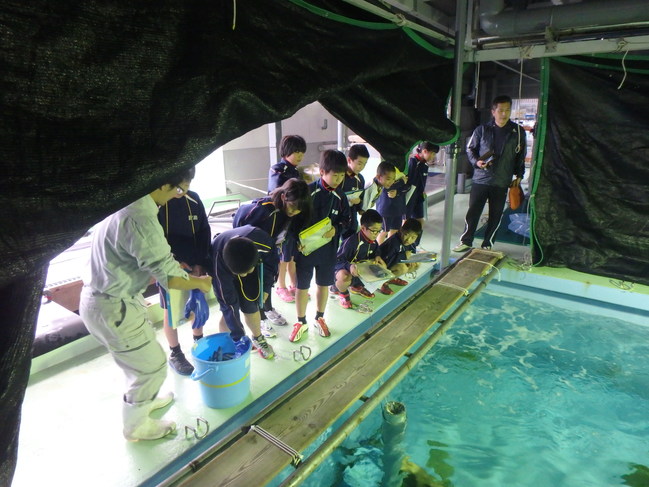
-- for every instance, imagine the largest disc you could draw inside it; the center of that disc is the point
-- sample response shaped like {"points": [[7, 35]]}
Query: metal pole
{"points": [[456, 106], [310, 464], [393, 429], [340, 136]]}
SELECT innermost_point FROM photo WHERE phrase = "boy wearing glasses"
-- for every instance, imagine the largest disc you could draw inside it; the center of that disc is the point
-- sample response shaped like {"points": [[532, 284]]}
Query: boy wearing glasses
{"points": [[360, 247]]}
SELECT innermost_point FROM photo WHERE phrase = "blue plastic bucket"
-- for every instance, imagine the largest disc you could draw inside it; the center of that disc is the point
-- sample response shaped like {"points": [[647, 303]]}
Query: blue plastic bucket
{"points": [[225, 383]]}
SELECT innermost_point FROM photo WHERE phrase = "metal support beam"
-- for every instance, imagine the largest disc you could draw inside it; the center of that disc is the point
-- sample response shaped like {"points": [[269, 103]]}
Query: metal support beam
{"points": [[456, 108], [618, 44], [399, 20]]}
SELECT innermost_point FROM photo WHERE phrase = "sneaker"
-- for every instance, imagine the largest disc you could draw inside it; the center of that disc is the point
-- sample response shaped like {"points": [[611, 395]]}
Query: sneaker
{"points": [[333, 290], [180, 364], [461, 248], [275, 318], [361, 291], [262, 346], [299, 329], [267, 329], [285, 295], [321, 326], [345, 302], [486, 247], [385, 289], [397, 282]]}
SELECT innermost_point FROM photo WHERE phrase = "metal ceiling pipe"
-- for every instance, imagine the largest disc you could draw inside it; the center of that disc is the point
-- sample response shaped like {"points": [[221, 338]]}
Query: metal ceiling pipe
{"points": [[495, 21]]}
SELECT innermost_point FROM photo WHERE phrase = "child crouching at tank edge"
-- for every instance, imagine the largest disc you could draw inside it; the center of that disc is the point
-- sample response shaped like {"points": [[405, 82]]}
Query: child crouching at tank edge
{"points": [[396, 249], [360, 247]]}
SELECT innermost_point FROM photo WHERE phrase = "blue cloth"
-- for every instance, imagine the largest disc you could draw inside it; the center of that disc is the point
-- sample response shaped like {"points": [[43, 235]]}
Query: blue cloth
{"points": [[198, 305]]}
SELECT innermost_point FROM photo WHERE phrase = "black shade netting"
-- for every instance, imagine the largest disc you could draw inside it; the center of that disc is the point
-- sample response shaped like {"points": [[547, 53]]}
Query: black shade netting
{"points": [[391, 112], [101, 102], [592, 201]]}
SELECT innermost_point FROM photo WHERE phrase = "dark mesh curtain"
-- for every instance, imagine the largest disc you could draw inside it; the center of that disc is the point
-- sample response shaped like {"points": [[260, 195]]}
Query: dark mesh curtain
{"points": [[101, 101], [593, 195]]}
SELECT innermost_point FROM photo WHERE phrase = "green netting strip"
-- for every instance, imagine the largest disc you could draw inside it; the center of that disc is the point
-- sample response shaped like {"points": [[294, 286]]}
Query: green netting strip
{"points": [[587, 64], [373, 25], [618, 55], [345, 20], [537, 156], [426, 45]]}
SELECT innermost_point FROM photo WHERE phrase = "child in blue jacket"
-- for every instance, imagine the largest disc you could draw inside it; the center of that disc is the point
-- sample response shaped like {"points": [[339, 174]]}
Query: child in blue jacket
{"points": [[328, 201], [281, 215], [291, 150], [245, 266], [398, 248], [360, 247]]}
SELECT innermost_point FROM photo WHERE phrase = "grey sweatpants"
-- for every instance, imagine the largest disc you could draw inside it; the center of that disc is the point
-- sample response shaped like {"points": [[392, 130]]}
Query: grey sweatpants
{"points": [[122, 326]]}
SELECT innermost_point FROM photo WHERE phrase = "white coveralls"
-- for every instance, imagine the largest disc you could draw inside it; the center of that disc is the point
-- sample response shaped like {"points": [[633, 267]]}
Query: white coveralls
{"points": [[128, 248]]}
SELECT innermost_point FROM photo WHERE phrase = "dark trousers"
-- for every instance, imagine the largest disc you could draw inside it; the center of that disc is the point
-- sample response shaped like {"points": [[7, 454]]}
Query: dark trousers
{"points": [[480, 195]]}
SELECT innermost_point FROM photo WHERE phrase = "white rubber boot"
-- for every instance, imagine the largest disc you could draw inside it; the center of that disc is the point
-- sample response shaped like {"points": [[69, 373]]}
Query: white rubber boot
{"points": [[161, 401], [139, 426]]}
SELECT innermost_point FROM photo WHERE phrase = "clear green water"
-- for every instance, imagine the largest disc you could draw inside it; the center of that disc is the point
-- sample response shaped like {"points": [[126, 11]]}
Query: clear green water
{"points": [[518, 393]]}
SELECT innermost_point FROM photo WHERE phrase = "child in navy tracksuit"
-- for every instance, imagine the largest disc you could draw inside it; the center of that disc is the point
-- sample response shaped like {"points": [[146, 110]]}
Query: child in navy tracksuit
{"points": [[360, 247], [281, 215], [354, 182], [391, 205], [187, 229], [327, 201], [291, 150], [245, 266], [423, 157], [397, 248]]}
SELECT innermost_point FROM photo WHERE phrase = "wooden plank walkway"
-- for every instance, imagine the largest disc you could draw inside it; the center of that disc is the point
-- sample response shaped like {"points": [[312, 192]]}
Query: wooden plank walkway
{"points": [[299, 420]]}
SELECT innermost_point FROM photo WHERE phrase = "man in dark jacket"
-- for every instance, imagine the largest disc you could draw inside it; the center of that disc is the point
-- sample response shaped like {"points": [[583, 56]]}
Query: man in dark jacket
{"points": [[497, 152]]}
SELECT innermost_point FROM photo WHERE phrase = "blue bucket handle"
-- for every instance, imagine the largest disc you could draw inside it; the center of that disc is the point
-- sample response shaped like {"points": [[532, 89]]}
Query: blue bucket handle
{"points": [[196, 376]]}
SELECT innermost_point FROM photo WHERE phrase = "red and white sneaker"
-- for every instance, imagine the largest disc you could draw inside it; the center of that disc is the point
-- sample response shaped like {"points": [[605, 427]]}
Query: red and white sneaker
{"points": [[321, 326], [397, 282], [298, 331], [361, 291], [285, 295], [344, 301]]}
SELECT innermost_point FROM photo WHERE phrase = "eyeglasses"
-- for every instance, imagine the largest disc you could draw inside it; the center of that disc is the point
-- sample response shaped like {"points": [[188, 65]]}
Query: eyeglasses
{"points": [[372, 230]]}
